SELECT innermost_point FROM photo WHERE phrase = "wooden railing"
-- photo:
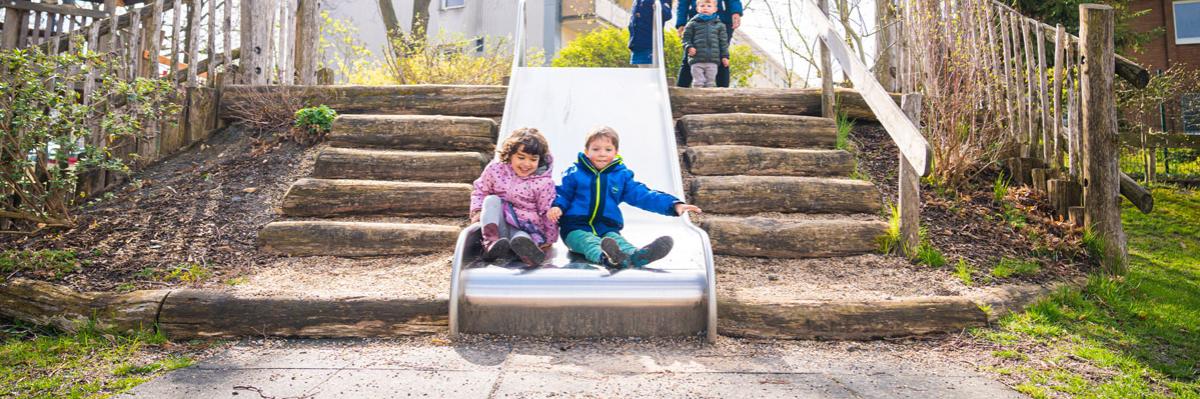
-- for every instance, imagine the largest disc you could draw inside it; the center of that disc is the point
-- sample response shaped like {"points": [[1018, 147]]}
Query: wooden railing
{"points": [[193, 43], [1062, 116], [901, 125]]}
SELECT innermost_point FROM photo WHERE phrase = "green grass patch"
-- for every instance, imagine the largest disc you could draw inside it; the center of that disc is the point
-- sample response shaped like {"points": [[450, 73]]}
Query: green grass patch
{"points": [[965, 272], [1142, 329], [927, 254], [187, 273], [844, 126], [1008, 267], [38, 362], [50, 263]]}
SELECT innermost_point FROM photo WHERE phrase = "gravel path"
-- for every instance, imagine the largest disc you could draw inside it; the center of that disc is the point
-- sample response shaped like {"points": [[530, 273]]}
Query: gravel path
{"points": [[506, 367]]}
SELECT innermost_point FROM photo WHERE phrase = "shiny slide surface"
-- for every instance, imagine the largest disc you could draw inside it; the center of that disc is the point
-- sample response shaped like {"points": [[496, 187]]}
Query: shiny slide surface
{"points": [[569, 296]]}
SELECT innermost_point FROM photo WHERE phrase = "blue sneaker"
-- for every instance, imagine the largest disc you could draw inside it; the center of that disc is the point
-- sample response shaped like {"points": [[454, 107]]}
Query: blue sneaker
{"points": [[654, 251]]}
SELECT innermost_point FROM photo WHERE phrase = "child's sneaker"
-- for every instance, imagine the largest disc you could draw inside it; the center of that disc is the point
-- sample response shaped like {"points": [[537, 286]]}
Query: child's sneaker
{"points": [[654, 251], [613, 256], [527, 251], [496, 250]]}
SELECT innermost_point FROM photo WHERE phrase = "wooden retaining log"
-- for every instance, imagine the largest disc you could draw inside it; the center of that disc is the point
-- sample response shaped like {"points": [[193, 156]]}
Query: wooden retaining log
{"points": [[1075, 215], [845, 320], [45, 303], [1064, 194], [726, 160], [350, 239], [328, 197], [1020, 169], [414, 132], [1136, 194], [766, 101], [780, 131], [1040, 176], [188, 314], [482, 101], [353, 163], [756, 194], [765, 237]]}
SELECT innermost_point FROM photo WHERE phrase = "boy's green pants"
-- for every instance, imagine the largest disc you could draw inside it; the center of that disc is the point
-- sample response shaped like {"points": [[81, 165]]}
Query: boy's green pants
{"points": [[588, 244]]}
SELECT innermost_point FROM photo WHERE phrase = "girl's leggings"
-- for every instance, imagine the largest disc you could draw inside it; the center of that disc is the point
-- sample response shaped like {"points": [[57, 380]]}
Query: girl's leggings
{"points": [[493, 213]]}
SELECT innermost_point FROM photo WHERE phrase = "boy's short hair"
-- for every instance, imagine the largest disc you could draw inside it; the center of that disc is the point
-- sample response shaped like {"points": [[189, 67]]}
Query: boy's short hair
{"points": [[529, 141], [706, 1], [603, 132]]}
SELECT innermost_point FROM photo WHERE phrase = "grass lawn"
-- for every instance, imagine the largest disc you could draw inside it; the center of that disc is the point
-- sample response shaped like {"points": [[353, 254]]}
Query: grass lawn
{"points": [[1131, 337], [40, 363]]}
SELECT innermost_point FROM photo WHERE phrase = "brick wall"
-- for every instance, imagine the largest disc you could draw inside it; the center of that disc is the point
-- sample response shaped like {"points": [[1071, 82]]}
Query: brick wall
{"points": [[1162, 52]]}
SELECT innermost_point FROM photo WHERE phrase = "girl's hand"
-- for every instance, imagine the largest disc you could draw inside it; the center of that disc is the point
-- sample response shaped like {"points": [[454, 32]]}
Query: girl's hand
{"points": [[692, 52], [554, 213], [680, 208]]}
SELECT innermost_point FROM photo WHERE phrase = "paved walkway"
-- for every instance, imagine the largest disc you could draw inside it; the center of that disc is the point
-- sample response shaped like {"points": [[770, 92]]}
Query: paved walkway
{"points": [[520, 368]]}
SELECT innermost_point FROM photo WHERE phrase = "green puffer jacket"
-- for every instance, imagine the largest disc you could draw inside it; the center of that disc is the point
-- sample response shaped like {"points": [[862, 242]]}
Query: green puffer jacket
{"points": [[710, 39]]}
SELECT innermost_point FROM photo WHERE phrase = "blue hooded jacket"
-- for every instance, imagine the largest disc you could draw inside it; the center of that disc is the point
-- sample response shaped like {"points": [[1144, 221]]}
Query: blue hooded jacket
{"points": [[686, 9], [589, 198], [641, 30]]}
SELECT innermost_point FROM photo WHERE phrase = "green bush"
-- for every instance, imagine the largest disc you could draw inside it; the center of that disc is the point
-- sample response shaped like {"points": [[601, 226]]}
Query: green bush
{"points": [[44, 122], [312, 123], [608, 48]]}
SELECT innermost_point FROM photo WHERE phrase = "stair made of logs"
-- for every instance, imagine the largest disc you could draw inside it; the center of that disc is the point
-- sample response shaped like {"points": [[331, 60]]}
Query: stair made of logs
{"points": [[776, 186], [384, 166]]}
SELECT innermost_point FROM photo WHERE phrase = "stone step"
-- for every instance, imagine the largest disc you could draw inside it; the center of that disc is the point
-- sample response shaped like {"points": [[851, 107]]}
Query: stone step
{"points": [[354, 163], [727, 160], [757, 194], [414, 132], [352, 239], [328, 197], [763, 130], [781, 238]]}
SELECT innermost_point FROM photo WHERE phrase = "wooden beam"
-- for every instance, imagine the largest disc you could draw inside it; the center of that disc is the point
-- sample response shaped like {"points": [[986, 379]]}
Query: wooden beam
{"points": [[1101, 174], [909, 193], [52, 8], [827, 99], [307, 28]]}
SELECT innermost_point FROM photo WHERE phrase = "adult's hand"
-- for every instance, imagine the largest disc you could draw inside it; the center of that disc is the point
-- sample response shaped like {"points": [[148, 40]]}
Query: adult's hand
{"points": [[681, 30], [737, 21]]}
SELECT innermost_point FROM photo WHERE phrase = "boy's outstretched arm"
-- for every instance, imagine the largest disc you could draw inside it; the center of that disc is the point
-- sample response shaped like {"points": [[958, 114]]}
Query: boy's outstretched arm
{"points": [[638, 194]]}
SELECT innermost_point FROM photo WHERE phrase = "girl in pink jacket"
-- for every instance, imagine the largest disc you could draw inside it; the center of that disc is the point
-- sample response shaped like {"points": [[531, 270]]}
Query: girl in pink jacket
{"points": [[512, 196]]}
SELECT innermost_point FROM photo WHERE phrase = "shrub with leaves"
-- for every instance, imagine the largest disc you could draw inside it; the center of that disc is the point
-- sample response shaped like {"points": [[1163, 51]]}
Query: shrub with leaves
{"points": [[452, 59], [608, 48], [44, 124], [312, 124]]}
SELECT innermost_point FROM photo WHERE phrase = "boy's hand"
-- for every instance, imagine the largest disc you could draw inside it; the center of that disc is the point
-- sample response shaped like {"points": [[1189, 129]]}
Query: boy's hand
{"points": [[554, 213], [680, 208], [691, 52], [475, 216], [725, 62], [681, 30]]}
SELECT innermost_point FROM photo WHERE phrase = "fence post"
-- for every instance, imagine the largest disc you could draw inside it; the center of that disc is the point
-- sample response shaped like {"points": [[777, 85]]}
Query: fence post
{"points": [[256, 40], [12, 28], [826, 69], [308, 25], [909, 201], [1101, 184]]}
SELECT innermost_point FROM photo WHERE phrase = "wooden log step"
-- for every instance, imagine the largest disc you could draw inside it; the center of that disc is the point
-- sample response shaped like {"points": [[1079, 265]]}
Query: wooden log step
{"points": [[354, 163], [725, 160], [763, 130], [766, 101], [766, 237], [328, 197], [414, 132], [756, 194], [351, 239], [846, 319], [486, 101]]}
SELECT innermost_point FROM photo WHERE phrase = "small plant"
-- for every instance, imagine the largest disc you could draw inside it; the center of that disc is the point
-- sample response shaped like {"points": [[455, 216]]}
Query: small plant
{"points": [[928, 255], [844, 126], [965, 272], [986, 308], [236, 281], [187, 273], [51, 263], [1008, 267], [1010, 354], [312, 123], [1093, 244], [890, 241], [1000, 189]]}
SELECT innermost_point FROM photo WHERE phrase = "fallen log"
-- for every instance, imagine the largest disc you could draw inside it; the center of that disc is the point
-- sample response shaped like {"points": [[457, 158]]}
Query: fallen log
{"points": [[1135, 193], [44, 303]]}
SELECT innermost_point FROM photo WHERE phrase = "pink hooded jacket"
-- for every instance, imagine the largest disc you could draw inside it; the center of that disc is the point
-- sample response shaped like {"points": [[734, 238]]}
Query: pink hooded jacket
{"points": [[527, 199]]}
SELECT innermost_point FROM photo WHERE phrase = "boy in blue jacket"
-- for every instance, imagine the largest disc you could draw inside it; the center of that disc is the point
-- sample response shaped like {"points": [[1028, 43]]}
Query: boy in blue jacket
{"points": [[586, 207]]}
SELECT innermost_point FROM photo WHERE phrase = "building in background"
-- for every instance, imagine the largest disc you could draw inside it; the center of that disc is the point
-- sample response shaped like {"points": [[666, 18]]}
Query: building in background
{"points": [[549, 23], [1178, 46]]}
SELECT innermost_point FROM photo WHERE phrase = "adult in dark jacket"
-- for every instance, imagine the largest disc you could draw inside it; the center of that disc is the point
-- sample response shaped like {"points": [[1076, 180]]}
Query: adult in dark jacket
{"points": [[730, 13], [641, 30]]}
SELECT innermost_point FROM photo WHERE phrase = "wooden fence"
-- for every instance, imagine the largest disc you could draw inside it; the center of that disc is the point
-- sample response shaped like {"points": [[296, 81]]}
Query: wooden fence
{"points": [[191, 43], [1051, 91]]}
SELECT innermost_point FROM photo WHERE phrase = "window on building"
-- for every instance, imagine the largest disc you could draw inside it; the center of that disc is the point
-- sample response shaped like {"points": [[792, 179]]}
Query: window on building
{"points": [[1187, 31], [448, 4], [1190, 114]]}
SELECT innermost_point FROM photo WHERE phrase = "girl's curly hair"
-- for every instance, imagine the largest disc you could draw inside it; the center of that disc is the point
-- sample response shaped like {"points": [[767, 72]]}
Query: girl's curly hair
{"points": [[527, 140]]}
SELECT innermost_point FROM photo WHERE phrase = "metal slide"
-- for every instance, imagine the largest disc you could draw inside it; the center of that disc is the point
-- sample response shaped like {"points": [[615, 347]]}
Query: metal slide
{"points": [[569, 296]]}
